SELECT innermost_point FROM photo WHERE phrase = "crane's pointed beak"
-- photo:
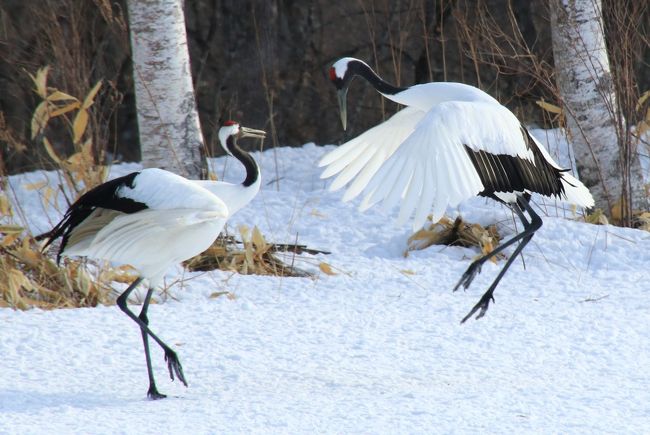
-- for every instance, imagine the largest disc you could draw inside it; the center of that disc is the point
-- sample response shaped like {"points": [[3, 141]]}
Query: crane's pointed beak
{"points": [[250, 132], [342, 94]]}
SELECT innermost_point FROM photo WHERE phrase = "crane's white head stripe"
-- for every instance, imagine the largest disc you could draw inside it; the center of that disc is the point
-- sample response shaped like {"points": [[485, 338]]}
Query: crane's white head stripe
{"points": [[229, 128], [340, 67]]}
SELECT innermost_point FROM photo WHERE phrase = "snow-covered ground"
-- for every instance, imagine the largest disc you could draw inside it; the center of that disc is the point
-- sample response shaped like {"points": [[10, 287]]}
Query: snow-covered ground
{"points": [[377, 348]]}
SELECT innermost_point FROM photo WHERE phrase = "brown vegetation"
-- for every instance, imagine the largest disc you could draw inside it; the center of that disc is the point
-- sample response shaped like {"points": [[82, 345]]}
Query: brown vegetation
{"points": [[265, 62]]}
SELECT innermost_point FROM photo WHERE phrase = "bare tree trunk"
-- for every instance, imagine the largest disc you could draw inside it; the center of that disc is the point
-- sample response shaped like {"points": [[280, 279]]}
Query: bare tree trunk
{"points": [[593, 119], [170, 134]]}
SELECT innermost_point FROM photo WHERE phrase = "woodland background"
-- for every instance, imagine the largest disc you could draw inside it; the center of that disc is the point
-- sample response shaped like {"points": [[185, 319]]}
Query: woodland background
{"points": [[293, 354], [264, 63]]}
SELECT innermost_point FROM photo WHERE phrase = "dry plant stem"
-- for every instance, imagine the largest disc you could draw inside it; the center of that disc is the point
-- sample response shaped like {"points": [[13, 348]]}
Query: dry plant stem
{"points": [[269, 96], [370, 24], [426, 38], [502, 48], [443, 40], [256, 256], [390, 26], [625, 19]]}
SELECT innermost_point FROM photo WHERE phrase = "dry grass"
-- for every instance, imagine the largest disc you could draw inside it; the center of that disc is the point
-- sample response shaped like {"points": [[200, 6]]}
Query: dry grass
{"points": [[455, 233], [642, 221], [640, 218], [30, 278], [252, 256]]}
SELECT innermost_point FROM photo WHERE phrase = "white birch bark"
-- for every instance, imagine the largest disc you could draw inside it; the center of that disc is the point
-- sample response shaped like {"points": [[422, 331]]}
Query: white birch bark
{"points": [[168, 121], [588, 96]]}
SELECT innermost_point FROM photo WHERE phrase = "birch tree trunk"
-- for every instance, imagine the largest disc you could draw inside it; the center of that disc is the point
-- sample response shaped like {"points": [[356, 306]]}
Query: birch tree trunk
{"points": [[593, 120], [170, 133]]}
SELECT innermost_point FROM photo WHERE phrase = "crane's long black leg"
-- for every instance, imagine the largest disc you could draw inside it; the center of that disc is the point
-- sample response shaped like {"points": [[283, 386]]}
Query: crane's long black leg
{"points": [[529, 230], [173, 363], [153, 391], [488, 296], [475, 268]]}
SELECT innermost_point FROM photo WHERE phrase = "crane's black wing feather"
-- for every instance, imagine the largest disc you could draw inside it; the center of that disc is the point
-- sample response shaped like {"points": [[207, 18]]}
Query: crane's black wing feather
{"points": [[506, 173], [103, 196]]}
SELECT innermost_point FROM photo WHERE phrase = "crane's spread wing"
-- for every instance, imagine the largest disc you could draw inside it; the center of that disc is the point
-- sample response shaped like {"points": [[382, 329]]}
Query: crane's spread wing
{"points": [[428, 172], [430, 168], [361, 157]]}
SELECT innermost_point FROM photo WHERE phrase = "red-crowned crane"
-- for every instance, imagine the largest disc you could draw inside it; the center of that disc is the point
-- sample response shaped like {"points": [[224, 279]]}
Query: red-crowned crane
{"points": [[151, 220], [451, 142]]}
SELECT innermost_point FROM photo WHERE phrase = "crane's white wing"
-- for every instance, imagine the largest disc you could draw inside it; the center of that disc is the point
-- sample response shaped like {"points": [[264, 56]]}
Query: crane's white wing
{"points": [[430, 169], [151, 240], [128, 234], [361, 157], [163, 190], [181, 220]]}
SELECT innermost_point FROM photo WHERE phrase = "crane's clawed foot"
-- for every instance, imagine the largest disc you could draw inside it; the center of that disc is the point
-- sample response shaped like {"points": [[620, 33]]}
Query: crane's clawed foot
{"points": [[174, 366], [482, 305], [469, 275], [153, 393]]}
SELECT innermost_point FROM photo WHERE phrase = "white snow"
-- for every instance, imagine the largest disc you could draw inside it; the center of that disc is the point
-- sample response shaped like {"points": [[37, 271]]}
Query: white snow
{"points": [[377, 348]]}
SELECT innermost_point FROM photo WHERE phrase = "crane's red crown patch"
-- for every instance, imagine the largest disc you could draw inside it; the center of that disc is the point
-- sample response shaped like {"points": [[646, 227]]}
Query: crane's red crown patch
{"points": [[333, 74]]}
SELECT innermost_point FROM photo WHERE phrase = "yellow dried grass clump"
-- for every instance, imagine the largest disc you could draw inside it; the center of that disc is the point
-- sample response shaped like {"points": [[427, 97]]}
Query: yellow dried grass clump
{"points": [[597, 217], [640, 218], [643, 221], [455, 233], [252, 256], [29, 278]]}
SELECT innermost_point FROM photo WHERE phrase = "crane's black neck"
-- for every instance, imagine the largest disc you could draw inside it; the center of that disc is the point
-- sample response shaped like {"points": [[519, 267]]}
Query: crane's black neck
{"points": [[363, 70], [252, 170]]}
